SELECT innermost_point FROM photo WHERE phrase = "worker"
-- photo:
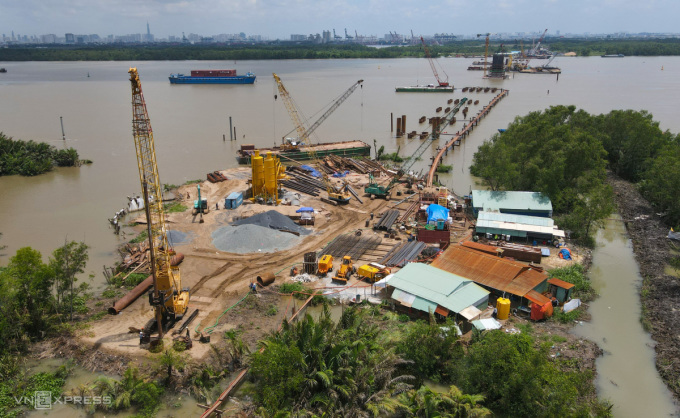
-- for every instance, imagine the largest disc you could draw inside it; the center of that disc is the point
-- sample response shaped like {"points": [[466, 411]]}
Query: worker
{"points": [[253, 287], [216, 206], [188, 195], [371, 215], [141, 337]]}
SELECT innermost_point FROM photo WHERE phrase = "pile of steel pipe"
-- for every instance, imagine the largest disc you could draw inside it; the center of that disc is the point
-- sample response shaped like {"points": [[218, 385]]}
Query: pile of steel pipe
{"points": [[299, 187], [138, 290], [407, 252], [387, 220]]}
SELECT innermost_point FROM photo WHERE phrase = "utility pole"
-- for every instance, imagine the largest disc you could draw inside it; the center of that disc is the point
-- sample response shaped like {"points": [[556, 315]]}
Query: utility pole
{"points": [[63, 135]]}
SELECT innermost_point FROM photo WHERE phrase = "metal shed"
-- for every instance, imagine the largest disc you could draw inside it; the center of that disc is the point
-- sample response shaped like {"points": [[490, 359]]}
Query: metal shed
{"points": [[517, 203]]}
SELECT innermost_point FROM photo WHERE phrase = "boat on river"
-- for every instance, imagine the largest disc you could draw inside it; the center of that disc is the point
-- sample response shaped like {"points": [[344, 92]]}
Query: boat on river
{"points": [[212, 77], [300, 152]]}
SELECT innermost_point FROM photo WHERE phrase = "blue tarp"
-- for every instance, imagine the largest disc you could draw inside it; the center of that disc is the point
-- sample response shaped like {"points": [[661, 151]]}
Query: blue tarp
{"points": [[436, 212], [311, 170], [565, 254], [305, 209], [343, 174]]}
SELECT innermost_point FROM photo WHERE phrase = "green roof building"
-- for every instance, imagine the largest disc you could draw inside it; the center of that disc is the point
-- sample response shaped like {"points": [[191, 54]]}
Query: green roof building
{"points": [[426, 288]]}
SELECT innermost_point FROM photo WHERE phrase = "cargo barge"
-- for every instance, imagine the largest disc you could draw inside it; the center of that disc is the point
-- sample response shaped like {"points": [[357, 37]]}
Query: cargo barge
{"points": [[302, 152], [212, 77], [430, 88]]}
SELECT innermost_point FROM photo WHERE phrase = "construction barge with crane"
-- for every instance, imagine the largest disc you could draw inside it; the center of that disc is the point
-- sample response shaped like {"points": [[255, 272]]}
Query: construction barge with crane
{"points": [[304, 152], [442, 85]]}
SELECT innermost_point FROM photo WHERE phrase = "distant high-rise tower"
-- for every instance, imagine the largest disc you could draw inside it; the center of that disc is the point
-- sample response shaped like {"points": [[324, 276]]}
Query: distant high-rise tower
{"points": [[148, 31]]}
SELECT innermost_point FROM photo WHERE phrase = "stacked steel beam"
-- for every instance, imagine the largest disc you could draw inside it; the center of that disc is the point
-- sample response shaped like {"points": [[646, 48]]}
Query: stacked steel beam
{"points": [[402, 255], [350, 244], [387, 220]]}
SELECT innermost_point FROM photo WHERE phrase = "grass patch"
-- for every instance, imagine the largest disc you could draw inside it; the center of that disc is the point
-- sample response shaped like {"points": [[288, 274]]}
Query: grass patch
{"points": [[174, 207], [565, 318], [574, 275], [193, 181], [394, 157], [443, 168], [272, 311], [142, 236]]}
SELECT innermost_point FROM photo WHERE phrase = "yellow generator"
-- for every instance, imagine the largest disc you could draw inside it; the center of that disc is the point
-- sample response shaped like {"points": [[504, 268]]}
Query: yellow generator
{"points": [[325, 264], [372, 272]]}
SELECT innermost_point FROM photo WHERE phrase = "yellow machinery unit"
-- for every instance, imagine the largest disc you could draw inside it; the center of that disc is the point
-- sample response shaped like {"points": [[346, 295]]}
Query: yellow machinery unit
{"points": [[325, 264], [372, 272], [345, 270], [169, 299]]}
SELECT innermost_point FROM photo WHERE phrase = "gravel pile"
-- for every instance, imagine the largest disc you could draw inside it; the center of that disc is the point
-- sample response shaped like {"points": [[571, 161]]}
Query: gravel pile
{"points": [[273, 220], [243, 239], [179, 237]]}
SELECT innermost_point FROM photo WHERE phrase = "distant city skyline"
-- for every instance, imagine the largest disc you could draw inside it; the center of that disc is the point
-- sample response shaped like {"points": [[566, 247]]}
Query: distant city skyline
{"points": [[279, 19]]}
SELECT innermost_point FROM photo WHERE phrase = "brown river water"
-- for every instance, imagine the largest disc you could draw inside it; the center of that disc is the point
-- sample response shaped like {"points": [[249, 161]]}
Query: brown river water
{"points": [[189, 122]]}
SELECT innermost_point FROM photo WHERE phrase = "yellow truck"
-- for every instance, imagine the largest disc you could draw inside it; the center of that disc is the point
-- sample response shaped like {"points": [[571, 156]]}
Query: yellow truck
{"points": [[345, 270], [372, 272], [325, 264]]}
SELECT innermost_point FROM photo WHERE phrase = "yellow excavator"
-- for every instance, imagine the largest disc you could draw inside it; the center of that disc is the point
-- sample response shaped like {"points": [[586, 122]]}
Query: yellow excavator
{"points": [[169, 300], [339, 194]]}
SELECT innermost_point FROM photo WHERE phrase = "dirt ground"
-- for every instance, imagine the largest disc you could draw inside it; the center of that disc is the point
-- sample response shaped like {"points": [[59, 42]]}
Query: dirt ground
{"points": [[219, 279], [660, 290]]}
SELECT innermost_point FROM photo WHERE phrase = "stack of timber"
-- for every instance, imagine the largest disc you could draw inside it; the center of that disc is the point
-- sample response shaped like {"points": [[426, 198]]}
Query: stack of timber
{"points": [[403, 253], [521, 252], [216, 177], [136, 257], [387, 220], [350, 244], [337, 163]]}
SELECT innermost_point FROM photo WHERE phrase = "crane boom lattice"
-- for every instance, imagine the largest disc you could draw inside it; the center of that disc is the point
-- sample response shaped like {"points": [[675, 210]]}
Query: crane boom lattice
{"points": [[167, 278], [434, 69]]}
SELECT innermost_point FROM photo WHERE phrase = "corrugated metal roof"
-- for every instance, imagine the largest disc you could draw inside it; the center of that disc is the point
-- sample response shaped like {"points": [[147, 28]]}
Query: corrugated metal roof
{"points": [[518, 219], [560, 283], [495, 200], [488, 249], [491, 271], [511, 222], [536, 297], [434, 287]]}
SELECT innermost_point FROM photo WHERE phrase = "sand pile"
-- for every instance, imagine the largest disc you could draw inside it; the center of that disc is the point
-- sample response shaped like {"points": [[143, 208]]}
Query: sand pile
{"points": [[273, 220], [242, 239]]}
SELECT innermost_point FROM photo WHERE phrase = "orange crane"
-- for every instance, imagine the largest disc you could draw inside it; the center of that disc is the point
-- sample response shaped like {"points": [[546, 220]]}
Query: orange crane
{"points": [[444, 83], [169, 300]]}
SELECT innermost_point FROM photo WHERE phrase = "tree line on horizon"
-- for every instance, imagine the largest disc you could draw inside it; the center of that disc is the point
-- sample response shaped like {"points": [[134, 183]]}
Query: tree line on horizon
{"points": [[289, 50]]}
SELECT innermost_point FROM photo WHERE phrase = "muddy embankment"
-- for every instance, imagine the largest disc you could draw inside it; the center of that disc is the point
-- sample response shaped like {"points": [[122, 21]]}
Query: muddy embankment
{"points": [[660, 292]]}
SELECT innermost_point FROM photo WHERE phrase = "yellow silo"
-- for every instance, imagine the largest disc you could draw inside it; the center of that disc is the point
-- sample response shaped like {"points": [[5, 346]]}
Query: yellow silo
{"points": [[258, 174], [271, 177]]}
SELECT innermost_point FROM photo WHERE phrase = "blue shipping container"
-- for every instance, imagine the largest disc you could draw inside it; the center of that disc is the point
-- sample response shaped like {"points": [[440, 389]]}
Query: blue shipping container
{"points": [[233, 201]]}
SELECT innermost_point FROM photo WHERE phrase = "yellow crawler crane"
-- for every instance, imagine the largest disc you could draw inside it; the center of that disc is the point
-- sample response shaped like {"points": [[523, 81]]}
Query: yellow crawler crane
{"points": [[169, 300], [341, 194]]}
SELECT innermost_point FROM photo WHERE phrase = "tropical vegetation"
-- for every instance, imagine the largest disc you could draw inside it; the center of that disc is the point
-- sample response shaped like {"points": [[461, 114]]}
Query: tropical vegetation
{"points": [[30, 158], [564, 153]]}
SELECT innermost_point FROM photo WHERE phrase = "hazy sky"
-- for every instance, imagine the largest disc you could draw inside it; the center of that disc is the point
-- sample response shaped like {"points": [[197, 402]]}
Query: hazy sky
{"points": [[281, 18]]}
